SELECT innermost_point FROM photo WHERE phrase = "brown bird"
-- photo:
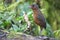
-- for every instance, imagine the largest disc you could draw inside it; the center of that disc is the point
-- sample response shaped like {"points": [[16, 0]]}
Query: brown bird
{"points": [[38, 16]]}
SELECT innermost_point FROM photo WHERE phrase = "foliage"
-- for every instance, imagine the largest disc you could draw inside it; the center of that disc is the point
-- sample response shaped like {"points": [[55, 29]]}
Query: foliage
{"points": [[12, 19]]}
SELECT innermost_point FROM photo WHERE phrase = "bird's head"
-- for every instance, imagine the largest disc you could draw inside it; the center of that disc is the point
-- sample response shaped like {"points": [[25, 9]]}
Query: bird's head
{"points": [[34, 7]]}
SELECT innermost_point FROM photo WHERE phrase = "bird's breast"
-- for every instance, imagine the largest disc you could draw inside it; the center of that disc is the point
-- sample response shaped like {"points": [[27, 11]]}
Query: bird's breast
{"points": [[36, 19]]}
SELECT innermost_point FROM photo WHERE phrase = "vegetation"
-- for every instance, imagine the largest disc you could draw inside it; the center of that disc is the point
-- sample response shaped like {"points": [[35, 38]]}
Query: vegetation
{"points": [[12, 16]]}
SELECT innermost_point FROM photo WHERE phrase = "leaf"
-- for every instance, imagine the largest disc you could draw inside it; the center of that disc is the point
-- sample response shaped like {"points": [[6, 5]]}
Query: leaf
{"points": [[15, 27]]}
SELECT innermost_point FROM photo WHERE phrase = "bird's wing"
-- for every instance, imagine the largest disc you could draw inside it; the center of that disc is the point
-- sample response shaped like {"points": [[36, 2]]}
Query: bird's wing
{"points": [[42, 21], [41, 18]]}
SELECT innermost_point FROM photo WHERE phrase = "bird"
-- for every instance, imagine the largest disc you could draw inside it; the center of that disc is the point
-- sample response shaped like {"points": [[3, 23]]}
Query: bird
{"points": [[38, 17]]}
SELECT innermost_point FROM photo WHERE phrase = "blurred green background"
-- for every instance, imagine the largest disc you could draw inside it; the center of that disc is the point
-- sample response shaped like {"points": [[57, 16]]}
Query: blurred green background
{"points": [[12, 16]]}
